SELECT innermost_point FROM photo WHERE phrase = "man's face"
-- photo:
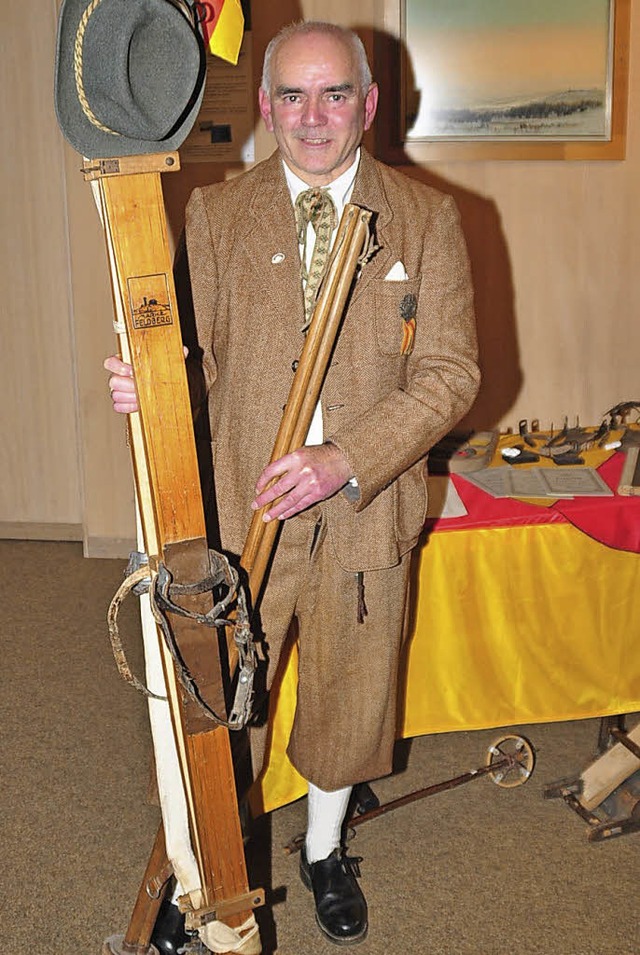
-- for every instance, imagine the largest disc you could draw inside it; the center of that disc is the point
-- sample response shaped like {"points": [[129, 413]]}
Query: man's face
{"points": [[315, 107]]}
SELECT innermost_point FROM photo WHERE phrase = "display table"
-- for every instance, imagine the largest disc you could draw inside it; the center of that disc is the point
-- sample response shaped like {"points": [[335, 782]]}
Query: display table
{"points": [[518, 617]]}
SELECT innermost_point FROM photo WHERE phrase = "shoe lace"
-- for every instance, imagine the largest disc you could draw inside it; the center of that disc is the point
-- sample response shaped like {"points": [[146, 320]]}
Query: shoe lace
{"points": [[351, 865]]}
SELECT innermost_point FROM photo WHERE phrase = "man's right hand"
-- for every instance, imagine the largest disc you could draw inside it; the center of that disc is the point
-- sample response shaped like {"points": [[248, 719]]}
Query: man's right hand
{"points": [[121, 385]]}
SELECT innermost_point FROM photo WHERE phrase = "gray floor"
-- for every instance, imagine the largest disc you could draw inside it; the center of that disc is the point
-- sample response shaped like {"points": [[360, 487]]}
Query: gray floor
{"points": [[480, 870]]}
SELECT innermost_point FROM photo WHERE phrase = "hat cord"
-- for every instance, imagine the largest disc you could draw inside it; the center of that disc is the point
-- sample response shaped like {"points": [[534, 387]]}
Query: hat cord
{"points": [[77, 69], [191, 13]]}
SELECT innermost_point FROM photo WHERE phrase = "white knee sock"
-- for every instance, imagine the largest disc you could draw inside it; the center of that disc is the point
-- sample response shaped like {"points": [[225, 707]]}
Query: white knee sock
{"points": [[326, 813]]}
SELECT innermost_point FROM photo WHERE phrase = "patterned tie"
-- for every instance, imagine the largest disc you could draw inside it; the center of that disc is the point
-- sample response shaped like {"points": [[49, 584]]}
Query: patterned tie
{"points": [[314, 206]]}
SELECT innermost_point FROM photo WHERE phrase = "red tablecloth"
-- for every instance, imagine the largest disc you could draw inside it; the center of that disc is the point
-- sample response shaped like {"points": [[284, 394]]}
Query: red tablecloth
{"points": [[614, 521]]}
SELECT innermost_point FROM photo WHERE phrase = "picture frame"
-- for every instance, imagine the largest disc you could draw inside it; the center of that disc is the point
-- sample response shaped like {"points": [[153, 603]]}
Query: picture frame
{"points": [[550, 80]]}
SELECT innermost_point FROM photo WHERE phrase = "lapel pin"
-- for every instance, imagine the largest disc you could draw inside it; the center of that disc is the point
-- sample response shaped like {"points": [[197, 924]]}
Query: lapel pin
{"points": [[277, 258]]}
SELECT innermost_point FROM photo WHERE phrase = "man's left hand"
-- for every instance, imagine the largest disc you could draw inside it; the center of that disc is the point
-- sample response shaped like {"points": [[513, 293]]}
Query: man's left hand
{"points": [[305, 476]]}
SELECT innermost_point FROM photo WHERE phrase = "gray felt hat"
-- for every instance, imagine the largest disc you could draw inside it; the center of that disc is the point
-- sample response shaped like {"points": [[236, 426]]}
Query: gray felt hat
{"points": [[129, 75]]}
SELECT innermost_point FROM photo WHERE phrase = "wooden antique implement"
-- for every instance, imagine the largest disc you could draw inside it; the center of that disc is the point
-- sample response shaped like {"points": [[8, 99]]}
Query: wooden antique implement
{"points": [[173, 524], [606, 794], [349, 249], [163, 451]]}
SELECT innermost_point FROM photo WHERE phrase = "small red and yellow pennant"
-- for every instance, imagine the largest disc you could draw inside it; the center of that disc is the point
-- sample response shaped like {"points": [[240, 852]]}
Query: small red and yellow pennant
{"points": [[223, 27]]}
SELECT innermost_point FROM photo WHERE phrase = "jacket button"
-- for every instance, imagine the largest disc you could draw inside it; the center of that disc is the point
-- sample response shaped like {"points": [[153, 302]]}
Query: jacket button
{"points": [[294, 364]]}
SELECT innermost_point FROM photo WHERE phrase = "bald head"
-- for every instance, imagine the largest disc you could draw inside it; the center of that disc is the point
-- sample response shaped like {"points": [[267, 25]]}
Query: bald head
{"points": [[306, 28]]}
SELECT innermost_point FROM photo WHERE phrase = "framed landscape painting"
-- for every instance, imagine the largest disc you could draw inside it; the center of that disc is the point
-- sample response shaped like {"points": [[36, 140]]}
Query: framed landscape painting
{"points": [[512, 79]]}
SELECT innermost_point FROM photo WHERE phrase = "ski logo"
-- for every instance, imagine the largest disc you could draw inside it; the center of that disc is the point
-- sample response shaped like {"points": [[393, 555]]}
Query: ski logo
{"points": [[149, 301]]}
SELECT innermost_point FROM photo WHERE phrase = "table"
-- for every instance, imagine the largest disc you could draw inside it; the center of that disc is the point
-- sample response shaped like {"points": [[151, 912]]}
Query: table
{"points": [[518, 617]]}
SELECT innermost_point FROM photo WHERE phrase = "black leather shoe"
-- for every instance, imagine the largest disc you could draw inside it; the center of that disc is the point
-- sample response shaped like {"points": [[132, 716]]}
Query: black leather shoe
{"points": [[169, 935], [341, 909]]}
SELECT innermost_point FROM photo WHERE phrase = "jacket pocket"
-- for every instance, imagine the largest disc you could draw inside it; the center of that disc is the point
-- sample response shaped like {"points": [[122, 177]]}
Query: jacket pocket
{"points": [[394, 301], [411, 504]]}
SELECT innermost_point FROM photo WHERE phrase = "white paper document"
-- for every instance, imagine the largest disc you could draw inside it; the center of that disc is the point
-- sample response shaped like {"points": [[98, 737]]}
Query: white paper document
{"points": [[444, 500], [564, 482]]}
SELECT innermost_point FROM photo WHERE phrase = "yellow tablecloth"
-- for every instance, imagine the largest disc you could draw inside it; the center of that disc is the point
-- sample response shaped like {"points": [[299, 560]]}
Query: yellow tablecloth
{"points": [[524, 624]]}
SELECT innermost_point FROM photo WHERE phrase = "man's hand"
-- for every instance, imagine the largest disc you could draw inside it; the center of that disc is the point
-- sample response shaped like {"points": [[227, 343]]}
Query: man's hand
{"points": [[121, 385], [305, 477]]}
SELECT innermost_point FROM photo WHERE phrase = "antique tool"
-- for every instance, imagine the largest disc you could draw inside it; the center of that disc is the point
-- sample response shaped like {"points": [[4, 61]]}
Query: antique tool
{"points": [[567, 457], [476, 452], [560, 437], [522, 430], [619, 413], [509, 762], [461, 453], [606, 795], [564, 447], [519, 455], [630, 478], [172, 517]]}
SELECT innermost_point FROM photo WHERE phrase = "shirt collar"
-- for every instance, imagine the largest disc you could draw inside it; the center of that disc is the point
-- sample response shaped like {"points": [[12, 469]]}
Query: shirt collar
{"points": [[339, 189]]}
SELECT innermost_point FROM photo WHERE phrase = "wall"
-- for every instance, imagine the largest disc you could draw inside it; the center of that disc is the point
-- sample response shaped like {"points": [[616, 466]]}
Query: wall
{"points": [[40, 483], [553, 245]]}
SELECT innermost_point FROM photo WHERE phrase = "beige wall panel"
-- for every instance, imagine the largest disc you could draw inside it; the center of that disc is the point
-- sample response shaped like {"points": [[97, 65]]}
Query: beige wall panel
{"points": [[561, 283], [38, 442]]}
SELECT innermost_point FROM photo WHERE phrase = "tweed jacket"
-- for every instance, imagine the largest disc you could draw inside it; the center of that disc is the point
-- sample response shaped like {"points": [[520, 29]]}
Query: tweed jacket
{"points": [[382, 408]]}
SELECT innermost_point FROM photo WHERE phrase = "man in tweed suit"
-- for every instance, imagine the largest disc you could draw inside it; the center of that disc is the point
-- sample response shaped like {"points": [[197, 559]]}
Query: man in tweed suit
{"points": [[353, 499]]}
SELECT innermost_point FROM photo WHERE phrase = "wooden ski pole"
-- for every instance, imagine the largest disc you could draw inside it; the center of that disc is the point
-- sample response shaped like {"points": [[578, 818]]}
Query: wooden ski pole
{"points": [[145, 910], [167, 480], [351, 240]]}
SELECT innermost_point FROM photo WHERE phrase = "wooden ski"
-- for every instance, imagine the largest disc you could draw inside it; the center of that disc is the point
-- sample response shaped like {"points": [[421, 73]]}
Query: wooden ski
{"points": [[172, 516]]}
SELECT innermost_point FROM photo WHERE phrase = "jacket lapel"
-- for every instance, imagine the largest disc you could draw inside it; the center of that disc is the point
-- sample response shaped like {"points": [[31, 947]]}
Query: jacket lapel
{"points": [[271, 244], [369, 193]]}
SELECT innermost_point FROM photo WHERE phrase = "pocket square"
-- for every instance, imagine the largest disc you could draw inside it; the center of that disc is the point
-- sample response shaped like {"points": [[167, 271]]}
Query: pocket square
{"points": [[396, 273]]}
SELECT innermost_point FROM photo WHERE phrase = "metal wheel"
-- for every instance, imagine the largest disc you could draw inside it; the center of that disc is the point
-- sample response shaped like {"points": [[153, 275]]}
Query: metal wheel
{"points": [[514, 759]]}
